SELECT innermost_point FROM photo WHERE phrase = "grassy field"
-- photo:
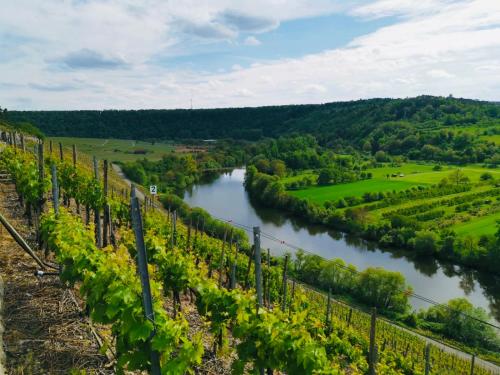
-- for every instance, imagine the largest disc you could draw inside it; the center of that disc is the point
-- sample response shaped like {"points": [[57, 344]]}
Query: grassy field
{"points": [[408, 175], [479, 226], [493, 138], [116, 149], [424, 173], [478, 219], [322, 194]]}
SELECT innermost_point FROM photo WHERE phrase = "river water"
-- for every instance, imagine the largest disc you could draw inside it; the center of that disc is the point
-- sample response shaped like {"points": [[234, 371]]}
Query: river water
{"points": [[225, 197]]}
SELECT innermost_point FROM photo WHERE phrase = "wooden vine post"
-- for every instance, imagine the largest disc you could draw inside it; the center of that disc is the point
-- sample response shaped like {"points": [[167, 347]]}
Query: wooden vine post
{"points": [[226, 264], [97, 215], [472, 364], [188, 240], [55, 189], [221, 262], [258, 268], [74, 166], [258, 274], [233, 268], [285, 282], [61, 155], [372, 355], [105, 227], [329, 310], [267, 292], [74, 155], [41, 198], [174, 228], [142, 266], [427, 370]]}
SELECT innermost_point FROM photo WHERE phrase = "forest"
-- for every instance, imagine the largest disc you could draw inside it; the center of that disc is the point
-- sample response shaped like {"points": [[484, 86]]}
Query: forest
{"points": [[425, 127]]}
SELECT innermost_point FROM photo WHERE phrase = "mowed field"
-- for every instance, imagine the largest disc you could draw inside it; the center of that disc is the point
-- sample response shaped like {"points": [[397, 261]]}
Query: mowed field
{"points": [[321, 194], [479, 226], [408, 175], [479, 218], [116, 149]]}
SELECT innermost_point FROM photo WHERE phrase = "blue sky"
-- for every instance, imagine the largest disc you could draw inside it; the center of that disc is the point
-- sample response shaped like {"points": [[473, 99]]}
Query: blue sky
{"points": [[98, 54], [291, 39]]}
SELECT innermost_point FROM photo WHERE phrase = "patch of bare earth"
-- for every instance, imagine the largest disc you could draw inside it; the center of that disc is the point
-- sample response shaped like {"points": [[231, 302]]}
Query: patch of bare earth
{"points": [[45, 332]]}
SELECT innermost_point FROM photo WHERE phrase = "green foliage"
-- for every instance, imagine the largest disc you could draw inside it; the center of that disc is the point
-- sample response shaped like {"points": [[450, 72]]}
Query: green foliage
{"points": [[112, 291], [455, 321], [383, 289], [424, 127]]}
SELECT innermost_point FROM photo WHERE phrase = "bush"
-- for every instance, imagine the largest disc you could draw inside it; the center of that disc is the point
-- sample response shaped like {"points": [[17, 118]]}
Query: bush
{"points": [[426, 242], [486, 176], [454, 318]]}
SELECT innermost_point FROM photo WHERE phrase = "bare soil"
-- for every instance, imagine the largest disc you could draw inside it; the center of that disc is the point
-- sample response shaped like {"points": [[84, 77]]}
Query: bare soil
{"points": [[45, 332]]}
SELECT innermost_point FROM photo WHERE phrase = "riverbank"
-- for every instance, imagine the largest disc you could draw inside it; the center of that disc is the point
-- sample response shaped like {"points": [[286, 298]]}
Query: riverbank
{"points": [[396, 227]]}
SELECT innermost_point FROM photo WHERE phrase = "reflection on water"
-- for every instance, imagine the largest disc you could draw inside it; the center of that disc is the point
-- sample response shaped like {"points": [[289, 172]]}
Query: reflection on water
{"points": [[225, 196]]}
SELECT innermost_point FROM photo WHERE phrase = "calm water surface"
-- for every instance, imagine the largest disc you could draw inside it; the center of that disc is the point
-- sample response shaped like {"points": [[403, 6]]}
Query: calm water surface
{"points": [[226, 197]]}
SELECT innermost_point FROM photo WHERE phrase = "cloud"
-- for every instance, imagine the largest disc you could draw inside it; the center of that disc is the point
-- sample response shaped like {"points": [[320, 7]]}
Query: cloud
{"points": [[88, 59], [439, 73], [418, 51], [245, 93], [313, 88], [52, 87], [247, 23], [207, 30], [386, 8], [252, 41]]}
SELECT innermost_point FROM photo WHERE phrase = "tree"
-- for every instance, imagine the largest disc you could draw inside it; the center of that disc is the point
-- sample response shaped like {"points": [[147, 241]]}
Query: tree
{"points": [[384, 289], [367, 146], [325, 176], [426, 242], [263, 165], [462, 321], [381, 156], [458, 177], [278, 168], [430, 152]]}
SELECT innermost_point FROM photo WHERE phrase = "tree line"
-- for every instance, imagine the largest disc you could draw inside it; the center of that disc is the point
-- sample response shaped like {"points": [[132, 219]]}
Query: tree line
{"points": [[424, 127]]}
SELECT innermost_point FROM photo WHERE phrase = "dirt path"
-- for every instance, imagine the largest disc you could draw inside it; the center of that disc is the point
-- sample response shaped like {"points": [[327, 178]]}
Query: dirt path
{"points": [[45, 332]]}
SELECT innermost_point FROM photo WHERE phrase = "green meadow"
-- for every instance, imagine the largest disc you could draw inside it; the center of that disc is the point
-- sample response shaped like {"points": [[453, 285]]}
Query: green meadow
{"points": [[321, 194], [407, 175], [479, 226], [478, 219], [116, 149]]}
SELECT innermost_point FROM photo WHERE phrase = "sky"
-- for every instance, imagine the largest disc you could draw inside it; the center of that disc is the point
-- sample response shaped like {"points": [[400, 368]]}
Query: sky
{"points": [[131, 54]]}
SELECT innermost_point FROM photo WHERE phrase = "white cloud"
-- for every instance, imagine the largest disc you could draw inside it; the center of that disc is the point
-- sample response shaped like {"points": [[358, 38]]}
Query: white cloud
{"points": [[252, 41], [430, 41], [386, 8], [313, 88], [439, 73]]}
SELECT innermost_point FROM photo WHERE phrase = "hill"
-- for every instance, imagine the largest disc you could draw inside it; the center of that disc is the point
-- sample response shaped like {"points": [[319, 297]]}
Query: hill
{"points": [[450, 126]]}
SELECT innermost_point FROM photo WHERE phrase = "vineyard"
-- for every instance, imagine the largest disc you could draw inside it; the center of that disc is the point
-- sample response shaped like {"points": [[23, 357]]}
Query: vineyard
{"points": [[254, 317]]}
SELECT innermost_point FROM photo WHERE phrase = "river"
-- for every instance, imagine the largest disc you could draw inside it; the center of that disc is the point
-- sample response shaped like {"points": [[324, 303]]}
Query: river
{"points": [[226, 197]]}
